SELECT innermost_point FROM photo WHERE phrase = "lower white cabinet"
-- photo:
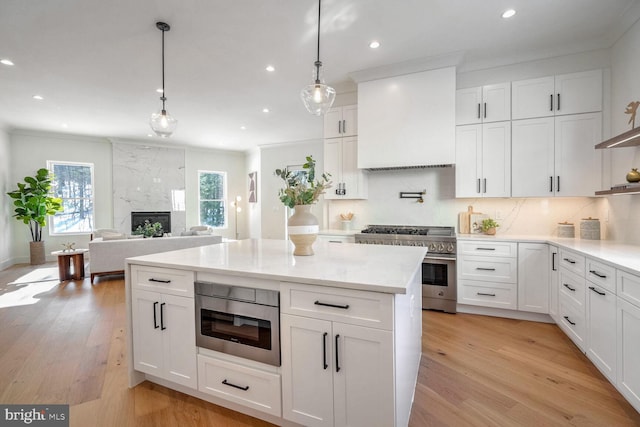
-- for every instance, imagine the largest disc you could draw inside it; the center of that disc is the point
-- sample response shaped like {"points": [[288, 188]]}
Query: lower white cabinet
{"points": [[628, 368], [336, 374], [554, 282], [533, 277], [601, 322], [164, 336]]}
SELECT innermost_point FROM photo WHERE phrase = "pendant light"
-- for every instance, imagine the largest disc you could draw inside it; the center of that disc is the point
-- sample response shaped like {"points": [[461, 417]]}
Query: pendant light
{"points": [[161, 122], [318, 97]]}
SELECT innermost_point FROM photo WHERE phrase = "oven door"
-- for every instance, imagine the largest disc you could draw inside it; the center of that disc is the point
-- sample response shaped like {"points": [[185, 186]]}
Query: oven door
{"points": [[247, 330], [439, 282]]}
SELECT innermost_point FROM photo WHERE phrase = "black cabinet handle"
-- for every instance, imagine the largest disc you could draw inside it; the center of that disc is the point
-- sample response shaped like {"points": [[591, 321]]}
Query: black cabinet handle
{"points": [[485, 110], [162, 328], [595, 273], [558, 184], [558, 107], [485, 269], [570, 261], [326, 304], [550, 184], [160, 280], [337, 355], [485, 185], [155, 319], [344, 126], [478, 110], [339, 126], [485, 294], [569, 287], [478, 185], [553, 261], [597, 291], [245, 388], [324, 350], [551, 102], [485, 249], [567, 319]]}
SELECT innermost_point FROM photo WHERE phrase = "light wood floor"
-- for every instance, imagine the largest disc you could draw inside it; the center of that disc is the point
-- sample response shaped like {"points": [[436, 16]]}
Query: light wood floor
{"points": [[68, 346]]}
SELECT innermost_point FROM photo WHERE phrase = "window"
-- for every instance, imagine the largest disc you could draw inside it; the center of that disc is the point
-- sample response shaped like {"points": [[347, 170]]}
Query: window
{"points": [[212, 189], [73, 183]]}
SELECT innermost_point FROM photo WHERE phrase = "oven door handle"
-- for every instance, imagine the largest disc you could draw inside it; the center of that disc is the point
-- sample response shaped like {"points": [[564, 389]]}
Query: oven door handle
{"points": [[437, 258]]}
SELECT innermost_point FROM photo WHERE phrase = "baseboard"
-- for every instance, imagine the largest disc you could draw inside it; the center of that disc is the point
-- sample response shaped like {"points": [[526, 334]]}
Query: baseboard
{"points": [[509, 314]]}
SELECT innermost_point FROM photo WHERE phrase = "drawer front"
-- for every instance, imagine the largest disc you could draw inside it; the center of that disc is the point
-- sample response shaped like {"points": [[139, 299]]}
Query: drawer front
{"points": [[479, 293], [488, 269], [240, 384], [572, 261], [572, 321], [336, 239], [350, 306], [601, 274], [498, 249], [164, 280], [628, 287], [573, 287]]}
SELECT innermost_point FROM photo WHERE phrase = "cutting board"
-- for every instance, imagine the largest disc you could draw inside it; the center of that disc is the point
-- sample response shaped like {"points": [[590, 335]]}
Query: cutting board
{"points": [[464, 221]]}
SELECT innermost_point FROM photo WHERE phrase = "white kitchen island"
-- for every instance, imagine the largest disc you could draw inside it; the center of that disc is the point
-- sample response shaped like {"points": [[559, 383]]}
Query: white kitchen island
{"points": [[374, 345]]}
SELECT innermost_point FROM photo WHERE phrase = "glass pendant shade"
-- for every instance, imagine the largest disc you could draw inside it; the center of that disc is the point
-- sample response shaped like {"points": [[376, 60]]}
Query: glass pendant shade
{"points": [[163, 124], [318, 98]]}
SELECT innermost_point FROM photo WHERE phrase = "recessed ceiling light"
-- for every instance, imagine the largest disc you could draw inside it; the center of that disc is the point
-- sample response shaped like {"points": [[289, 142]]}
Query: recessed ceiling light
{"points": [[265, 110], [374, 44], [6, 62], [159, 90], [64, 125], [508, 13], [38, 97], [150, 136], [270, 68], [243, 128]]}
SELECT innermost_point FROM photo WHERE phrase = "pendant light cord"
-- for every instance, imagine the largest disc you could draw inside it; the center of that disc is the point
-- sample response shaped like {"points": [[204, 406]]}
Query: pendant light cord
{"points": [[318, 64], [164, 97]]}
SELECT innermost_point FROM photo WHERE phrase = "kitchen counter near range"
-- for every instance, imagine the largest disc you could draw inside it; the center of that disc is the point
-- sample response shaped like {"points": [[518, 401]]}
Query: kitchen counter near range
{"points": [[376, 268]]}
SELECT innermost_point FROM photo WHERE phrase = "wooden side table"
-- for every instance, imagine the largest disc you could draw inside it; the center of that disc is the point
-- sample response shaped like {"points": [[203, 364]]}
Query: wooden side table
{"points": [[65, 258]]}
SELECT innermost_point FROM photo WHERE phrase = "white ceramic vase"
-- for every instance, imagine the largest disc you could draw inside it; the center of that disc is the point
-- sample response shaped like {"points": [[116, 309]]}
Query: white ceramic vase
{"points": [[303, 229]]}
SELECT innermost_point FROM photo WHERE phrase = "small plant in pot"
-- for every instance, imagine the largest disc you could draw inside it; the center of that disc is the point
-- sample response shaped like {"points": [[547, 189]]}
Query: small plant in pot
{"points": [[33, 203], [489, 226], [149, 229]]}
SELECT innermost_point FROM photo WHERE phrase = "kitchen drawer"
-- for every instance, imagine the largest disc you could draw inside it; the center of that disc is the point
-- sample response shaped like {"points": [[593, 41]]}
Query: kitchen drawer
{"points": [[601, 274], [482, 248], [240, 384], [482, 294], [572, 286], [371, 309], [164, 280], [572, 321], [488, 269], [572, 261], [332, 238], [628, 287]]}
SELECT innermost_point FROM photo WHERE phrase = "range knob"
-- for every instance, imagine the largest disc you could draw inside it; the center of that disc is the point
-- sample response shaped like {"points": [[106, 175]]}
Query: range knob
{"points": [[450, 248], [441, 247]]}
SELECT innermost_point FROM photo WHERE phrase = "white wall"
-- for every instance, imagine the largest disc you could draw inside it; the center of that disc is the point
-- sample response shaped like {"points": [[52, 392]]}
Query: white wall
{"points": [[254, 209], [30, 152], [6, 204]]}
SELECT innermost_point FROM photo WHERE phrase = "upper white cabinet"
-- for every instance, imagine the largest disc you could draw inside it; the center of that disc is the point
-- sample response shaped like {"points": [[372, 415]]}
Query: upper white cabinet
{"points": [[407, 120], [341, 121], [483, 160], [341, 161], [557, 95], [491, 103]]}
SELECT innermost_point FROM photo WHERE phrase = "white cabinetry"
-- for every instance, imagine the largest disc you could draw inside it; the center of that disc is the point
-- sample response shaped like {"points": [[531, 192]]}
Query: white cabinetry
{"points": [[483, 160], [628, 336], [341, 121], [533, 277], [164, 324], [407, 120], [337, 238], [572, 297], [491, 103], [557, 95], [555, 156], [554, 282], [337, 357], [341, 161]]}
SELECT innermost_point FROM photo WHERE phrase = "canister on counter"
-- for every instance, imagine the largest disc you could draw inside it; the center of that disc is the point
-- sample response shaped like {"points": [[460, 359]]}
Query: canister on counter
{"points": [[566, 229], [590, 229]]}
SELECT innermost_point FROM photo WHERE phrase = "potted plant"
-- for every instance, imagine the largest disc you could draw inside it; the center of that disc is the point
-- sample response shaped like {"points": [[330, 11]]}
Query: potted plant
{"points": [[489, 226], [149, 229], [33, 203], [301, 191]]}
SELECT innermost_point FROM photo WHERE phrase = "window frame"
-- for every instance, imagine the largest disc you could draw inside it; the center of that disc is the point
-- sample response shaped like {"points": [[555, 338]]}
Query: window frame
{"points": [[51, 218], [223, 200]]}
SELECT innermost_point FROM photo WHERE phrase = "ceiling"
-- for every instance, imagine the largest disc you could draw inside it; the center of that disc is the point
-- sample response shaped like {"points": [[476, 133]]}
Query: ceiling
{"points": [[97, 64]]}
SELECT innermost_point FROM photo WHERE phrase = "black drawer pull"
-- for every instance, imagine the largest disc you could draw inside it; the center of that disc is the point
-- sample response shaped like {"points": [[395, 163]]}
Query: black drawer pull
{"points": [[597, 291], [485, 249], [553, 261], [326, 304], [569, 287], [337, 354], [324, 350], [567, 319], [595, 273], [160, 280], [485, 269], [155, 319], [245, 388], [570, 261], [162, 327], [485, 294]]}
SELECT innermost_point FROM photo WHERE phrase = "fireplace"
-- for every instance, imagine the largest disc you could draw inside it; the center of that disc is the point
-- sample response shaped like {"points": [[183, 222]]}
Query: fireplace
{"points": [[164, 218]]}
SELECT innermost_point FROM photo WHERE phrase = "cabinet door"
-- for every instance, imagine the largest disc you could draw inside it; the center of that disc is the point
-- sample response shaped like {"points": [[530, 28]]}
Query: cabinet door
{"points": [[333, 165], [468, 158], [307, 370], [533, 277], [496, 159], [333, 123], [363, 376], [468, 106], [601, 322], [578, 92], [554, 282], [532, 158], [496, 102], [350, 120], [532, 98], [354, 179], [577, 163], [147, 334], [179, 340], [628, 381]]}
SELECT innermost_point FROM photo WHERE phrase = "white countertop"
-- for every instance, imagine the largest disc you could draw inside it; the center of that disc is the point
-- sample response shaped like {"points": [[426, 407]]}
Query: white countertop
{"points": [[621, 255], [377, 268]]}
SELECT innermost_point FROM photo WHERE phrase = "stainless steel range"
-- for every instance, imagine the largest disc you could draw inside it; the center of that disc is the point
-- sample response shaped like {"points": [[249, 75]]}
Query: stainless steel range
{"points": [[439, 265]]}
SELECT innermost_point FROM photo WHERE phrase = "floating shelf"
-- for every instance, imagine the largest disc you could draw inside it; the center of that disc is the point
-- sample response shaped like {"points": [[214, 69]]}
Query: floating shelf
{"points": [[628, 139], [625, 191]]}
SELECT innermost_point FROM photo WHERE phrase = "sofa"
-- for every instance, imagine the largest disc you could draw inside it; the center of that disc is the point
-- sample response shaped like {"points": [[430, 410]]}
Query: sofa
{"points": [[107, 254]]}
